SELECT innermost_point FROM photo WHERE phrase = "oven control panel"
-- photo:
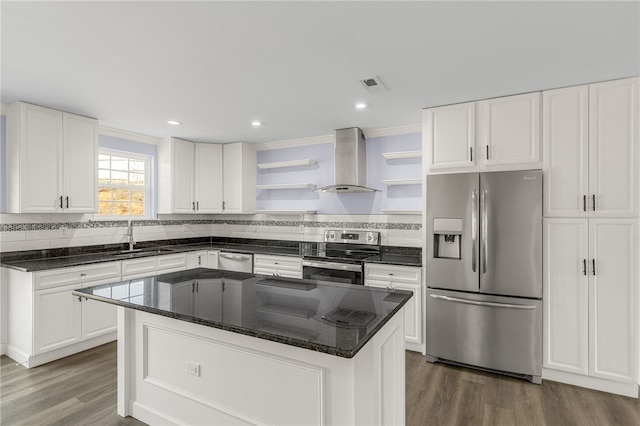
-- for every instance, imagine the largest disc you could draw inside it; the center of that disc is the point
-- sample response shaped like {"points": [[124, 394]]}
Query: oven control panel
{"points": [[351, 236]]}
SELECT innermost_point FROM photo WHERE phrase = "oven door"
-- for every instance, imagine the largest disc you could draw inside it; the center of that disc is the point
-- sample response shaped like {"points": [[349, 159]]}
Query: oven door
{"points": [[349, 273]]}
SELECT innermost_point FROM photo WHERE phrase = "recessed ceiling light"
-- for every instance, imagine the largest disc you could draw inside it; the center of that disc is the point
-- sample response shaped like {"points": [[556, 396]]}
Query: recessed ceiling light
{"points": [[174, 122], [361, 105], [257, 123]]}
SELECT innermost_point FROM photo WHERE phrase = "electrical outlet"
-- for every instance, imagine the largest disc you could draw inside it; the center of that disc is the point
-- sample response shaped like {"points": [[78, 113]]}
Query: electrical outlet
{"points": [[301, 229], [192, 368], [64, 231]]}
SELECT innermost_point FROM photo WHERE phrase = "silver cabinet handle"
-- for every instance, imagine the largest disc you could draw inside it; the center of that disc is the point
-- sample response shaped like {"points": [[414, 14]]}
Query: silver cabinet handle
{"points": [[471, 154], [593, 266], [584, 203], [478, 303], [593, 197], [474, 229], [198, 205], [61, 201], [584, 266], [67, 201]]}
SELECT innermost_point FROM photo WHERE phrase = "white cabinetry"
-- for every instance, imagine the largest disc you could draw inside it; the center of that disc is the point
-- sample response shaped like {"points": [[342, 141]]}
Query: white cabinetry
{"points": [[190, 177], [402, 278], [51, 162], [493, 134], [278, 266], [590, 280], [145, 266], [591, 150], [45, 322], [239, 180]]}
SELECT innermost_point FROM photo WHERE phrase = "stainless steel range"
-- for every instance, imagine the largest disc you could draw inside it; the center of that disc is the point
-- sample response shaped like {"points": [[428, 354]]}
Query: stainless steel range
{"points": [[341, 258]]}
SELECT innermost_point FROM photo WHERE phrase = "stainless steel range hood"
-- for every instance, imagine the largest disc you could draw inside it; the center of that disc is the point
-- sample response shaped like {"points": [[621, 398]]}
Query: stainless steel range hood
{"points": [[350, 159]]}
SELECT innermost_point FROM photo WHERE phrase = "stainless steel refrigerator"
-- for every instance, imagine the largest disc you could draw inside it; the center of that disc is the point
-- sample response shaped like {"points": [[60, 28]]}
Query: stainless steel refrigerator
{"points": [[484, 271]]}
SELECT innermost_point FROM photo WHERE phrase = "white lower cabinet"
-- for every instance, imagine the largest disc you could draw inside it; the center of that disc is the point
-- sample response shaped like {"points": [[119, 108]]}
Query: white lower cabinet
{"points": [[407, 278], [590, 300], [145, 266], [46, 322], [278, 266]]}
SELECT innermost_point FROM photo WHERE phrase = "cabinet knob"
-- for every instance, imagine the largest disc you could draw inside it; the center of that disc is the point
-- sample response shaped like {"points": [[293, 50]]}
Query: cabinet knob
{"points": [[83, 274]]}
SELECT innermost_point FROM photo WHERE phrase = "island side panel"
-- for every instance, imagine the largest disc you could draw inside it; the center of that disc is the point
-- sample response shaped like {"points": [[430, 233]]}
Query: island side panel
{"points": [[185, 373]]}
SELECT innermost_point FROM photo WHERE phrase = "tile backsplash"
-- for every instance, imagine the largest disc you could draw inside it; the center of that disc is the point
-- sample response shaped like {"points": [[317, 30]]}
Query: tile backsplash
{"points": [[32, 232]]}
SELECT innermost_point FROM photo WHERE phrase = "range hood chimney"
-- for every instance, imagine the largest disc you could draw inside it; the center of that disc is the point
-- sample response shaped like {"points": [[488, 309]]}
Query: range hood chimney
{"points": [[350, 159]]}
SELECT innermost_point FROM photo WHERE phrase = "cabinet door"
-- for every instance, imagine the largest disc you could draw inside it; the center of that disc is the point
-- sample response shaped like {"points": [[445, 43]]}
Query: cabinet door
{"points": [[509, 130], [80, 162], [208, 178], [98, 318], [40, 182], [412, 310], [613, 148], [412, 313], [183, 176], [232, 178], [239, 178], [566, 293], [565, 129], [613, 246], [212, 260], [449, 136], [57, 319]]}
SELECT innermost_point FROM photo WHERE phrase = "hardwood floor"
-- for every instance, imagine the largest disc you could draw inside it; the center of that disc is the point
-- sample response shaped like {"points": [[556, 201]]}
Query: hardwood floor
{"points": [[439, 394], [81, 390]]}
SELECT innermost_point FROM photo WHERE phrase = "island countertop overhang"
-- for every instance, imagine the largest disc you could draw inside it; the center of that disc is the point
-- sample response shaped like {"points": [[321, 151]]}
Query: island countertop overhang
{"points": [[332, 318]]}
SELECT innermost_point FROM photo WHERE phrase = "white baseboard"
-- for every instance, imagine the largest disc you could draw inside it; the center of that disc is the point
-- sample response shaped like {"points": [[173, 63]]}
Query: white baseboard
{"points": [[150, 416], [3, 349], [619, 388], [33, 361]]}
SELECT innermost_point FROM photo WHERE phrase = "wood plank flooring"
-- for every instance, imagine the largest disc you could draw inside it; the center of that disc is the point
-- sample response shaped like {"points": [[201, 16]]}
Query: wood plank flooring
{"points": [[81, 390]]}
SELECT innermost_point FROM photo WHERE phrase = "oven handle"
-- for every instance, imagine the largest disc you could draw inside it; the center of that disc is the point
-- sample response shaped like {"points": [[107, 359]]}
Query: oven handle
{"points": [[333, 265]]}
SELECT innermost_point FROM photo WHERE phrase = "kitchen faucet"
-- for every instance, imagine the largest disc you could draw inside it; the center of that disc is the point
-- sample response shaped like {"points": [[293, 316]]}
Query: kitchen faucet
{"points": [[130, 235]]}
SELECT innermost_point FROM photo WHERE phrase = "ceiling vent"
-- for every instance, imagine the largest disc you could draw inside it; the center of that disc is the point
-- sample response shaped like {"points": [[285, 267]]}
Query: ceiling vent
{"points": [[373, 84]]}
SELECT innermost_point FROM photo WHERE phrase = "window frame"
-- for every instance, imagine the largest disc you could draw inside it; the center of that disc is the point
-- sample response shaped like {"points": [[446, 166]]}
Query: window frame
{"points": [[147, 159]]}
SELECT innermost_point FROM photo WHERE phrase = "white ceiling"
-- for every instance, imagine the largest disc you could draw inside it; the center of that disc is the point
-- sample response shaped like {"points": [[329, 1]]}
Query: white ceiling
{"points": [[216, 66]]}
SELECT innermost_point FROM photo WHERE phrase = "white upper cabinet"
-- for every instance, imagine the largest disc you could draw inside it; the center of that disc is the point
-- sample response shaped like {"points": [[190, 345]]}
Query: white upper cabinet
{"points": [[52, 161], [208, 179], [590, 136], [450, 135], [494, 134], [190, 177], [509, 130], [613, 147], [239, 181]]}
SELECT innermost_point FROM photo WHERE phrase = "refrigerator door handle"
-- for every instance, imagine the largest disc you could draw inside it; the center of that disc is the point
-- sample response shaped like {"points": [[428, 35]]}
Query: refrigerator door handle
{"points": [[478, 303], [474, 229], [483, 231]]}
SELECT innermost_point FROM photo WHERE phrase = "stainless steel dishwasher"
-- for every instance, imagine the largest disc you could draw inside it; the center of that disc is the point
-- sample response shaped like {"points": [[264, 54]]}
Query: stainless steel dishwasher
{"points": [[239, 262]]}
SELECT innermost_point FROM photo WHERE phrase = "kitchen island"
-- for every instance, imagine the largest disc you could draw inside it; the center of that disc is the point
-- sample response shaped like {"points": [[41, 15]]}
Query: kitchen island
{"points": [[217, 347]]}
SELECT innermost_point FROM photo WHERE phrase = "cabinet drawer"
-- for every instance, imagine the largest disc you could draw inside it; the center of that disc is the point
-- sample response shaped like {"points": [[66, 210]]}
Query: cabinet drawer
{"points": [[68, 276], [139, 267], [278, 272], [277, 262], [395, 273], [172, 262]]}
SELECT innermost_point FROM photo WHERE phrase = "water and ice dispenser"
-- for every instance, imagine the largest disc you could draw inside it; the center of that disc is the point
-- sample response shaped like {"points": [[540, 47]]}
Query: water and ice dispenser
{"points": [[447, 238]]}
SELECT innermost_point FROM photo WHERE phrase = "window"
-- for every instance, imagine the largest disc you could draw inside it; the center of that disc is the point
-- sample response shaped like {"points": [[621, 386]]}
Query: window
{"points": [[123, 184]]}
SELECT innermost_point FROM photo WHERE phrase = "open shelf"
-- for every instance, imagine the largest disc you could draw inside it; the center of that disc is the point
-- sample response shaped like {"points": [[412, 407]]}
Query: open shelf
{"points": [[293, 163], [402, 154], [287, 186], [392, 182], [399, 211]]}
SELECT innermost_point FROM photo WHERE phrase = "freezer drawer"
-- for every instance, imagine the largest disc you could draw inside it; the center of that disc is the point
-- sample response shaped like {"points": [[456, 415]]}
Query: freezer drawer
{"points": [[492, 332]]}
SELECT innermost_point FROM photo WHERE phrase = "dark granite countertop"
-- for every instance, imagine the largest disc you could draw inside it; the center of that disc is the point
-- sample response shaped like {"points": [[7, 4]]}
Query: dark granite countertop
{"points": [[34, 264], [333, 318]]}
